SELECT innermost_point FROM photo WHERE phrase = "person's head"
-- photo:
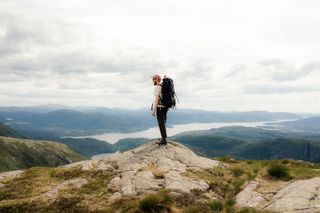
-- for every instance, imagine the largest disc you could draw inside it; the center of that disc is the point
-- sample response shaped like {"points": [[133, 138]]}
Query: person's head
{"points": [[156, 79]]}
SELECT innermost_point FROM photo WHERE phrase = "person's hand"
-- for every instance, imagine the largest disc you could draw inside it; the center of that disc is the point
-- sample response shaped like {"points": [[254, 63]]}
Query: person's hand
{"points": [[154, 113]]}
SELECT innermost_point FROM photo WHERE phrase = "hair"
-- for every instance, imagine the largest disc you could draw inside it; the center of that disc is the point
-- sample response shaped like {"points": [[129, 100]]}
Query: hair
{"points": [[158, 79]]}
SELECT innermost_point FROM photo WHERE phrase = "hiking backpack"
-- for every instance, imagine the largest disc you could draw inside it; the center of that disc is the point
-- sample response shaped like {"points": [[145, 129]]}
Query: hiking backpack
{"points": [[168, 93]]}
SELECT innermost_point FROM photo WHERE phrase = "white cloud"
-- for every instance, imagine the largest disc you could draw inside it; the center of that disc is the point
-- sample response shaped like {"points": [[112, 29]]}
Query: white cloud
{"points": [[230, 55]]}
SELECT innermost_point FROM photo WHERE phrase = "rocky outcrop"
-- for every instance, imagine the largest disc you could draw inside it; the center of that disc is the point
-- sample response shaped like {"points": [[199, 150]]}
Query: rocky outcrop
{"points": [[298, 196], [11, 174], [249, 196], [151, 167]]}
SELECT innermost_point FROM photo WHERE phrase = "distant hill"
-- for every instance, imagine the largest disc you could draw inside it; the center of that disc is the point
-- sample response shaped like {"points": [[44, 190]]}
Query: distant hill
{"points": [[90, 146], [280, 148], [9, 132], [65, 122], [129, 143], [87, 146], [239, 142], [84, 146], [251, 143], [16, 153], [81, 121], [310, 125], [242, 143]]}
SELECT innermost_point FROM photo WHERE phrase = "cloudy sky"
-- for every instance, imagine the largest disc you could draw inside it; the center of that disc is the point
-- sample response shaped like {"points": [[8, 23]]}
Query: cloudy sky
{"points": [[226, 55]]}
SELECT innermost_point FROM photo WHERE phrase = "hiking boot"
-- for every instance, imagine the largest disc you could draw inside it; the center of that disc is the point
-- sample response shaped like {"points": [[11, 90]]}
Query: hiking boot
{"points": [[158, 141], [163, 142]]}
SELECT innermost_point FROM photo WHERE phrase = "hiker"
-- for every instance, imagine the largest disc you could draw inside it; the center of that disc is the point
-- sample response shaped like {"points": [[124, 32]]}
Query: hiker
{"points": [[159, 109]]}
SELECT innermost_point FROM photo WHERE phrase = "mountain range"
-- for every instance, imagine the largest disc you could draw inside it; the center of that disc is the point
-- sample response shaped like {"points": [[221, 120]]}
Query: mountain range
{"points": [[245, 143], [297, 139], [307, 125], [81, 121]]}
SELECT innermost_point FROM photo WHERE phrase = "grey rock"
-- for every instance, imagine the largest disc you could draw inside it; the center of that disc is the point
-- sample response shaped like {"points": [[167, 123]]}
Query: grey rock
{"points": [[176, 182], [115, 196], [249, 196], [299, 196], [114, 184], [292, 197], [145, 181], [126, 184], [145, 169], [151, 167]]}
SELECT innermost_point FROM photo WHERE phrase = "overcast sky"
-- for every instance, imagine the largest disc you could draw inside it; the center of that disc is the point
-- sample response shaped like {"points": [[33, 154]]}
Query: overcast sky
{"points": [[226, 55]]}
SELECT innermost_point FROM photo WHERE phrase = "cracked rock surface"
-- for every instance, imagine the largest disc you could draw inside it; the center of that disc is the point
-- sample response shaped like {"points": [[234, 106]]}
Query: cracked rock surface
{"points": [[145, 169], [151, 167], [299, 196]]}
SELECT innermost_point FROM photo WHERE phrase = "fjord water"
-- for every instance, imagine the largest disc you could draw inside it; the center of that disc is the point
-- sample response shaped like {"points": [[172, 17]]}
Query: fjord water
{"points": [[153, 132]]}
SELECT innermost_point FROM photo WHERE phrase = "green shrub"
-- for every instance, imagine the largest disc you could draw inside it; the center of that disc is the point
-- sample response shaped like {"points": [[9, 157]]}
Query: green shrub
{"points": [[22, 206], [286, 161], [158, 175], [230, 202], [237, 185], [156, 202], [186, 199], [226, 189], [227, 159], [67, 204], [229, 205], [252, 176], [127, 204], [62, 204], [191, 210], [218, 171], [248, 210], [278, 171], [66, 173], [253, 210], [236, 172], [216, 205]]}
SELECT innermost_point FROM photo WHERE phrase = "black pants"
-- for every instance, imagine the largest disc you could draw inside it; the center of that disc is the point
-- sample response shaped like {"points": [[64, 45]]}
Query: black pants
{"points": [[162, 119]]}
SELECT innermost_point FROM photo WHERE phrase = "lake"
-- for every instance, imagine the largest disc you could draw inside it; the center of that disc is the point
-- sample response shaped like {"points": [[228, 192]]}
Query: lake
{"points": [[175, 129]]}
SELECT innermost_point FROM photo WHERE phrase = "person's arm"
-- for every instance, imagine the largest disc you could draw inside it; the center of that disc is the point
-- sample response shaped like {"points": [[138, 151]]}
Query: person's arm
{"points": [[155, 102]]}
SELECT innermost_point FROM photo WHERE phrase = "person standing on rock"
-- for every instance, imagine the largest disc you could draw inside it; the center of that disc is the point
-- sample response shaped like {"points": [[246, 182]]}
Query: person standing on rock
{"points": [[159, 109]]}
